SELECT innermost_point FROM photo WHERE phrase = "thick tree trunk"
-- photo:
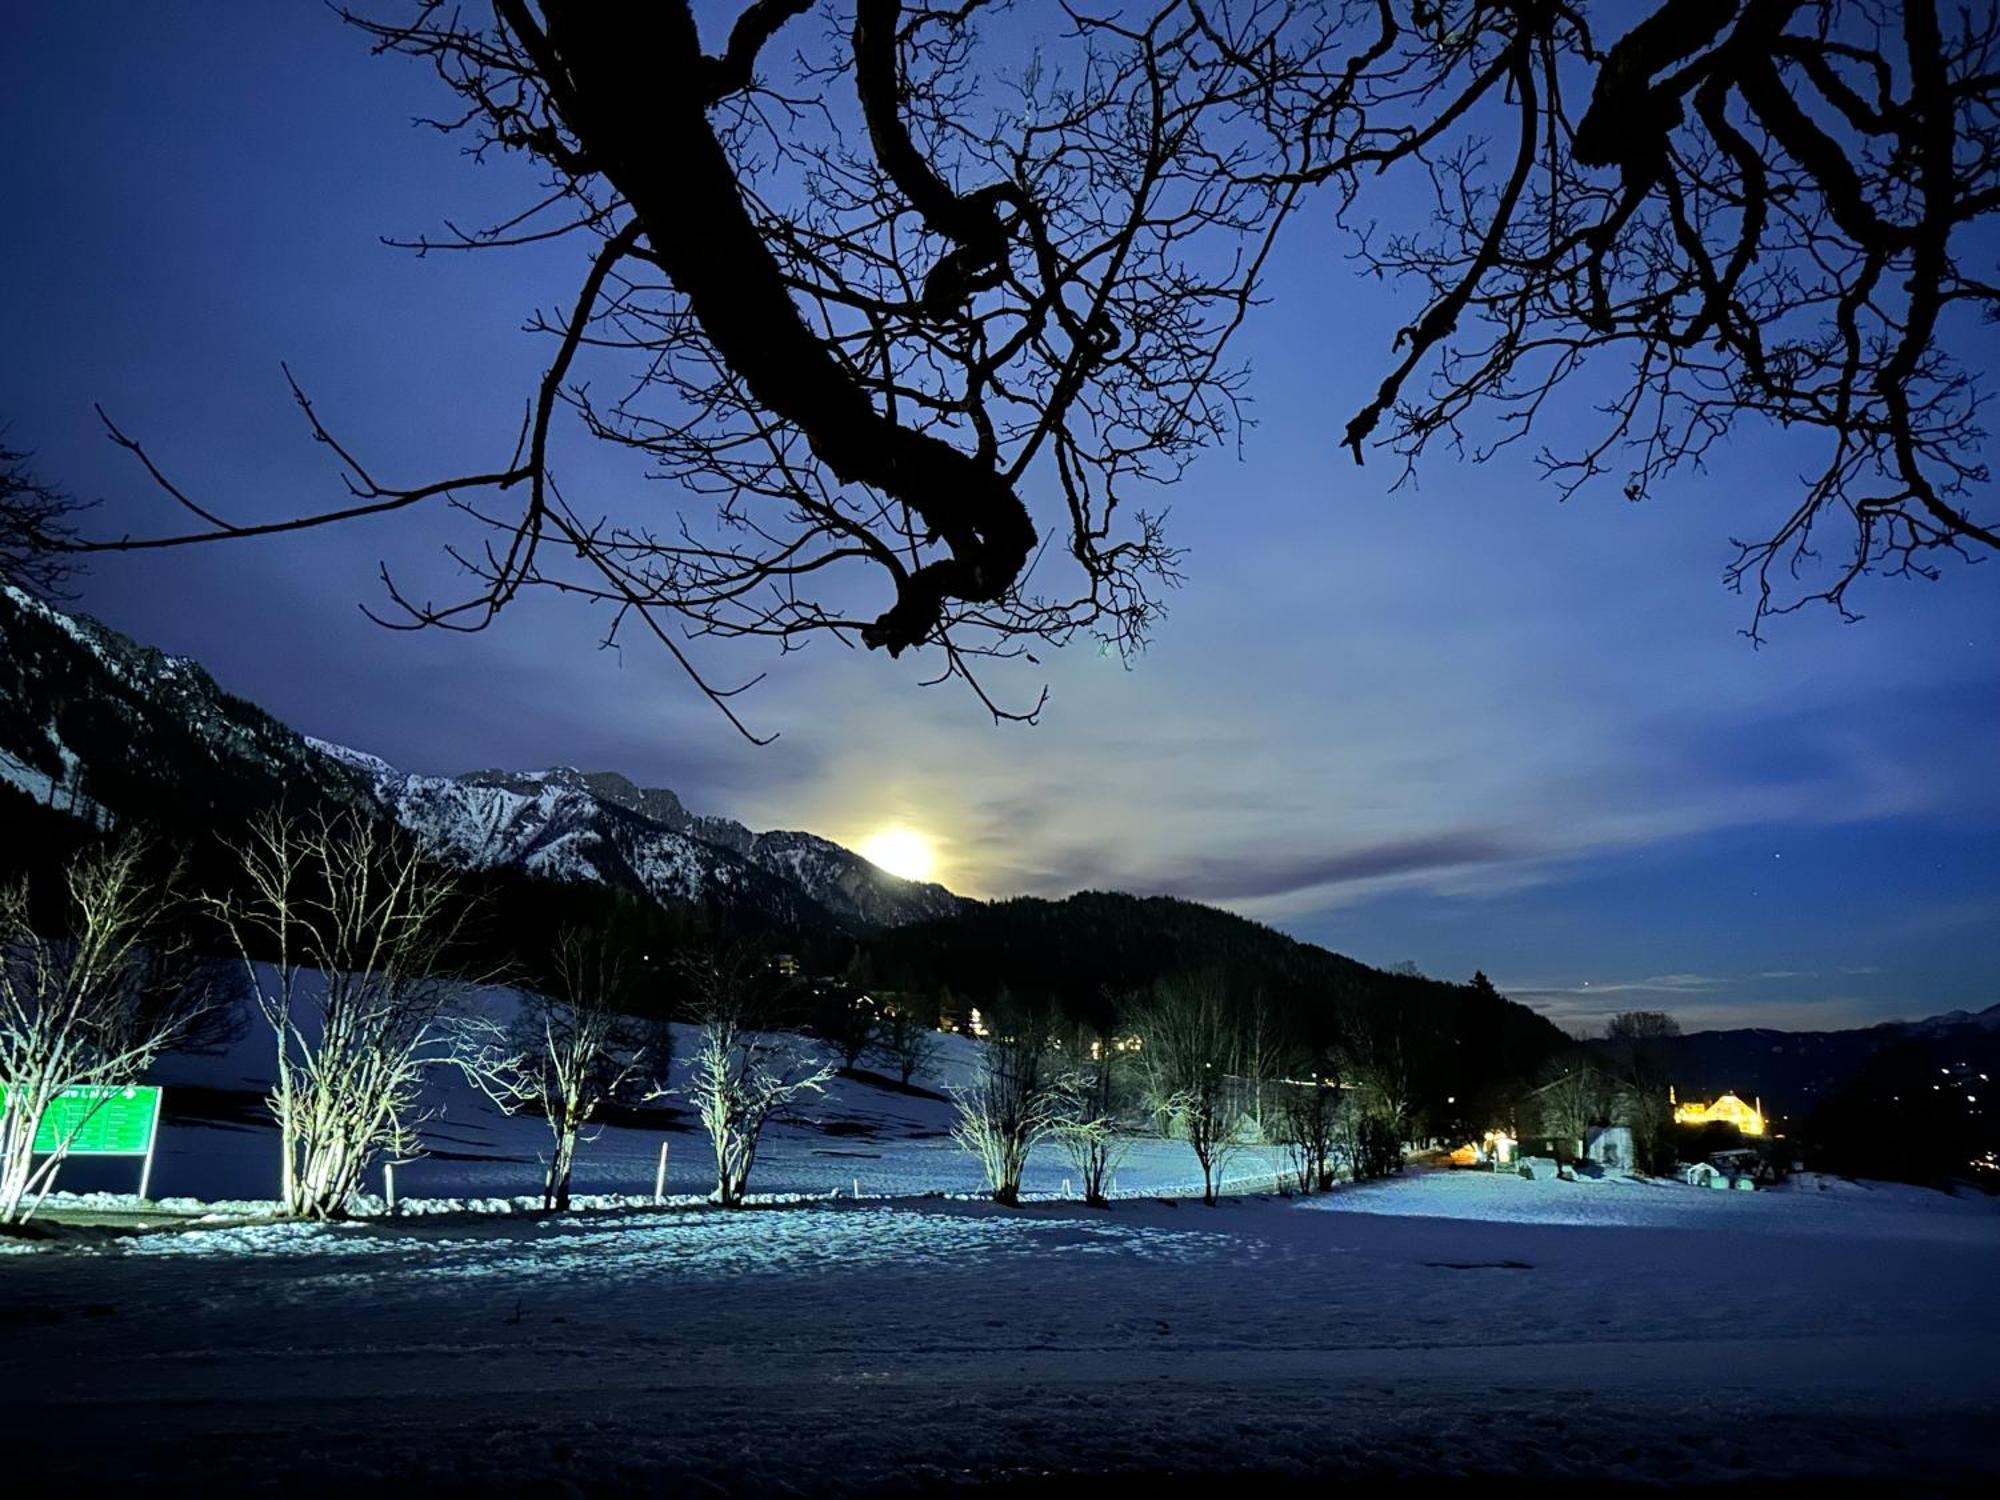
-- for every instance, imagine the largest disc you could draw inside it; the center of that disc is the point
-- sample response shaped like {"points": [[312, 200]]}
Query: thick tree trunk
{"points": [[555, 1192], [637, 98], [17, 1165]]}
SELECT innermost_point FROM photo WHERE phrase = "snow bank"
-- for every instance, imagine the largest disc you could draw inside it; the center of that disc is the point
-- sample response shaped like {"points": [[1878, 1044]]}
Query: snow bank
{"points": [[1806, 1205]]}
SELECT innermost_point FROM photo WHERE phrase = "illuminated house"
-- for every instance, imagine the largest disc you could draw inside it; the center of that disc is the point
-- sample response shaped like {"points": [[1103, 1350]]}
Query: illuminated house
{"points": [[1727, 1110], [1496, 1149]]}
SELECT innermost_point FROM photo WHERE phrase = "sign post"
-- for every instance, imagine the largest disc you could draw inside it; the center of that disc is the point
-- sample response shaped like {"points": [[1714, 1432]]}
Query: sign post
{"points": [[660, 1177], [100, 1119], [146, 1171]]}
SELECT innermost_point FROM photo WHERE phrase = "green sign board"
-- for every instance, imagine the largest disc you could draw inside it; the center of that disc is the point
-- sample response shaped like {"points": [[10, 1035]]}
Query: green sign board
{"points": [[100, 1120]]}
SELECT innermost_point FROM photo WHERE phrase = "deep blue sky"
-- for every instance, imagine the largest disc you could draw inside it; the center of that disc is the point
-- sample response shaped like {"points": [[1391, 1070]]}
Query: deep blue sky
{"points": [[1462, 724]]}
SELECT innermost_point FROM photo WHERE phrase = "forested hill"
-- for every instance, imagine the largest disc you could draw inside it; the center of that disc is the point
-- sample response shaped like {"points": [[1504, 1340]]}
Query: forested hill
{"points": [[98, 731], [1087, 950], [1792, 1071]]}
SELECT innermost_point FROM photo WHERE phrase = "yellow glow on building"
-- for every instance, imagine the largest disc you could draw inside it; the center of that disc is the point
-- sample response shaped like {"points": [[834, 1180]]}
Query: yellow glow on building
{"points": [[1727, 1110], [1496, 1147]]}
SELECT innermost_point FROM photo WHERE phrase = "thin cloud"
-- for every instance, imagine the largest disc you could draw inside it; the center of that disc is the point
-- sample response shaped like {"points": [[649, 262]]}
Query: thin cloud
{"points": [[1254, 877], [1656, 984]]}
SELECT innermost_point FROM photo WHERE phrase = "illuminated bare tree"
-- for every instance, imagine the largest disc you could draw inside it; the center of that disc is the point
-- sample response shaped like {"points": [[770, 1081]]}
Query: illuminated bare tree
{"points": [[345, 932], [1261, 1057], [1089, 1105], [744, 1076], [1189, 1027], [573, 1047], [91, 999], [1011, 1103]]}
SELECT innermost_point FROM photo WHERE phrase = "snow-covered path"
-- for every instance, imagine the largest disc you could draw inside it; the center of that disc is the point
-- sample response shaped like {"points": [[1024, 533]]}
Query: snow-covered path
{"points": [[1430, 1327]]}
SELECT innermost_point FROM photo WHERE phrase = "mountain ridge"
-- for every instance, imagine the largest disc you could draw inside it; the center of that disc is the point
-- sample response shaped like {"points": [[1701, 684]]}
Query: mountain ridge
{"points": [[95, 726], [100, 727], [1792, 1070]]}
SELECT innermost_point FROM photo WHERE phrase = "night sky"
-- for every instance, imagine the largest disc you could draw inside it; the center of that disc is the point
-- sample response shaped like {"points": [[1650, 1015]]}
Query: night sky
{"points": [[1460, 724]]}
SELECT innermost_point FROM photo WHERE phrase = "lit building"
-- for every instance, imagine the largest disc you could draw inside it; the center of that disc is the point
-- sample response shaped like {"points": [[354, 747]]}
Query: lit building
{"points": [[1494, 1149], [1727, 1110]]}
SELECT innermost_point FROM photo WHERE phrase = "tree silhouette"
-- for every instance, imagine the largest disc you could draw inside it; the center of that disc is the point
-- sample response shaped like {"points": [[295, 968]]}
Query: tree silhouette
{"points": [[914, 356], [37, 529], [869, 315], [1763, 212]]}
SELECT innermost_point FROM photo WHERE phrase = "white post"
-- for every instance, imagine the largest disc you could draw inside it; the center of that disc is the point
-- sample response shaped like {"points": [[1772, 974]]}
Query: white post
{"points": [[857, 1190], [152, 1140], [389, 1185], [1065, 1187], [660, 1177]]}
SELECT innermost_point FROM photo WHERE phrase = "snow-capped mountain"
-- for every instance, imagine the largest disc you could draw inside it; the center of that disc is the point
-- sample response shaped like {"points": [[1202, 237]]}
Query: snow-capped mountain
{"points": [[96, 726], [1980, 1020], [565, 824]]}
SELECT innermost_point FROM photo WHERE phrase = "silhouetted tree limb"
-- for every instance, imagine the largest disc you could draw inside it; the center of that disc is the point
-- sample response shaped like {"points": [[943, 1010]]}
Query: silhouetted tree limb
{"points": [[872, 326], [1764, 213], [37, 529], [910, 356]]}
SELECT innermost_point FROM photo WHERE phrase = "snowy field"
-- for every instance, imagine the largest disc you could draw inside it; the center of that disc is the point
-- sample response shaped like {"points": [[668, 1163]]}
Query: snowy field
{"points": [[218, 1143], [1442, 1327], [1446, 1325]]}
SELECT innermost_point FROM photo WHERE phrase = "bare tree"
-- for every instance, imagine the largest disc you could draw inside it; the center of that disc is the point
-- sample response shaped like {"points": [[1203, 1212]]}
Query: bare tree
{"points": [[1737, 212], [1088, 1114], [743, 1077], [573, 1047], [1309, 1119], [888, 324], [896, 333], [37, 529], [1571, 1099], [1380, 1056], [1191, 1038], [93, 1003], [1370, 1140], [345, 933], [908, 1034], [1010, 1105], [1640, 1046], [845, 1015], [1262, 1054], [924, 349]]}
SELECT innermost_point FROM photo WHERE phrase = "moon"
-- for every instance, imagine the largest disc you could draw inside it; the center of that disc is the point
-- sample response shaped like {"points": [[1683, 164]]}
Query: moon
{"points": [[902, 852]]}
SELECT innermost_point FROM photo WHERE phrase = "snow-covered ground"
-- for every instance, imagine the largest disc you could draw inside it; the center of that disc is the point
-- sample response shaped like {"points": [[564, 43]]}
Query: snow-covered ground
{"points": [[1445, 1325], [1440, 1326]]}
